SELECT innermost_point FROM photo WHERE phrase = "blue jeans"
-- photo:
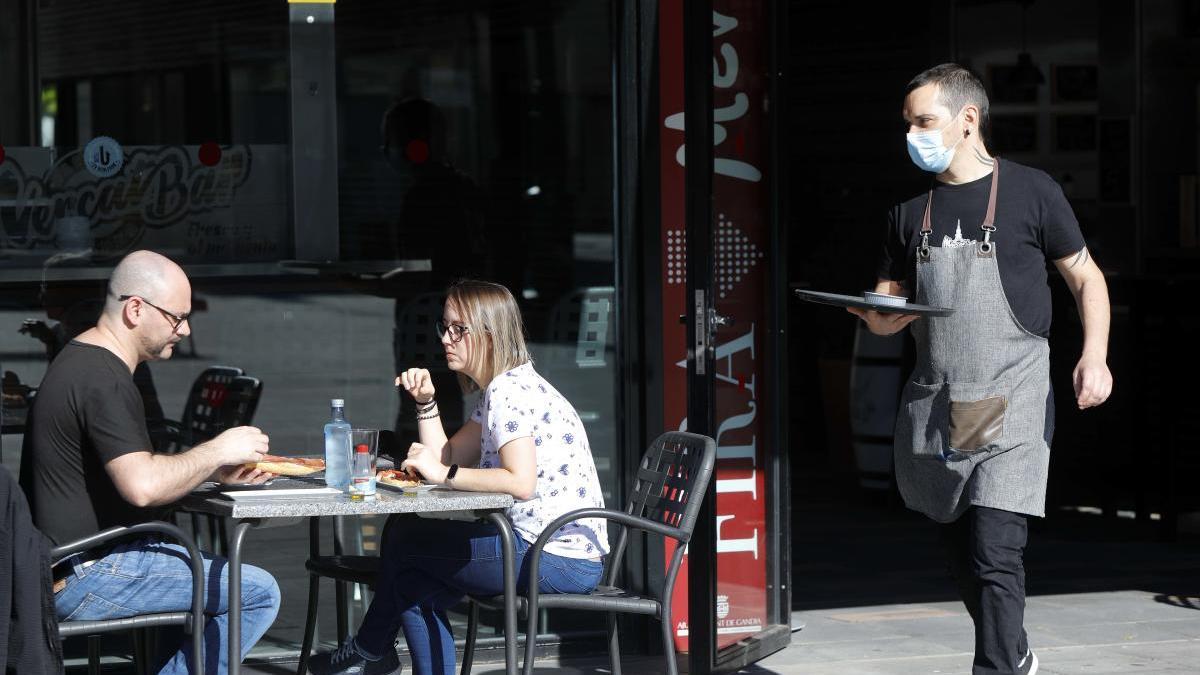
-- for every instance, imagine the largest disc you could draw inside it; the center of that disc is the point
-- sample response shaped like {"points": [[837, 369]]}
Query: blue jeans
{"points": [[148, 575], [428, 566]]}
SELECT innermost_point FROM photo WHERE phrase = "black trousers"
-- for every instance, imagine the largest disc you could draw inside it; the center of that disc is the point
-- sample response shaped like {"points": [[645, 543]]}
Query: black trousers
{"points": [[985, 548]]}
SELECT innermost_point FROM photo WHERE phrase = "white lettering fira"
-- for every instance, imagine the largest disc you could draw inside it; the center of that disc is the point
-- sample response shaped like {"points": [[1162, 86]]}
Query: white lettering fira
{"points": [[722, 79], [746, 545]]}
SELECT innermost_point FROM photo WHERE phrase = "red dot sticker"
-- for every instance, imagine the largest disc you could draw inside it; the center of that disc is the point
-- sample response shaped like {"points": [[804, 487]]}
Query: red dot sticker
{"points": [[1, 154], [417, 151], [210, 153]]}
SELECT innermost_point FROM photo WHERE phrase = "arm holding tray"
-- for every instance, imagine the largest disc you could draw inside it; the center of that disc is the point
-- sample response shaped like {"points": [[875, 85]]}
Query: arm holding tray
{"points": [[885, 323]]}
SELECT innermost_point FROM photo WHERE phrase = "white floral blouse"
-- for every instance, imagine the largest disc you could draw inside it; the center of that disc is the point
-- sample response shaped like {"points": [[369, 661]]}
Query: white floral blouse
{"points": [[520, 403]]}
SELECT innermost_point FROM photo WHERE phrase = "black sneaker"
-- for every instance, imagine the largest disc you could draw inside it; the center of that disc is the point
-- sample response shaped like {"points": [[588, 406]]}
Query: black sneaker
{"points": [[1028, 664], [346, 660]]}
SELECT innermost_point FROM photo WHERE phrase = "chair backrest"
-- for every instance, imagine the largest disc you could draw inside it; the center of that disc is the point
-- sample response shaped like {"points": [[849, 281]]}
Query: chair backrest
{"points": [[584, 318], [672, 478], [241, 402], [415, 342], [671, 481], [215, 401]]}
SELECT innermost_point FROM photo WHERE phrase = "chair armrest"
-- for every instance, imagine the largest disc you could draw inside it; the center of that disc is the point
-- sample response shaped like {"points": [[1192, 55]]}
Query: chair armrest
{"points": [[626, 519], [534, 554], [116, 533]]}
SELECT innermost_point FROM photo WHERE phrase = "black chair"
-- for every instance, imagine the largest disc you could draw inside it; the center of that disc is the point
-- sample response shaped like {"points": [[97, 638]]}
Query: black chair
{"points": [[192, 620], [671, 481], [343, 569], [222, 397]]}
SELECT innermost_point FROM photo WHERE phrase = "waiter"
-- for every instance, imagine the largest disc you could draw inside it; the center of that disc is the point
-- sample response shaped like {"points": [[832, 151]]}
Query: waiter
{"points": [[973, 434]]}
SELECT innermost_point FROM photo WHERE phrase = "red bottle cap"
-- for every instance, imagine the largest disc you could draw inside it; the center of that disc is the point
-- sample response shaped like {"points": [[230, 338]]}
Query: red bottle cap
{"points": [[362, 447]]}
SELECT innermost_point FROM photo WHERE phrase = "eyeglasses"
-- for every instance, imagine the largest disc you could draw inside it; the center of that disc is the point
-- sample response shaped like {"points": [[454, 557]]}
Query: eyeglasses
{"points": [[175, 319], [456, 330]]}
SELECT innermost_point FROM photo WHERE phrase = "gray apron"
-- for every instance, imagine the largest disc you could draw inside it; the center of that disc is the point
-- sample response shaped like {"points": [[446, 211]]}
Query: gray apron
{"points": [[972, 420]]}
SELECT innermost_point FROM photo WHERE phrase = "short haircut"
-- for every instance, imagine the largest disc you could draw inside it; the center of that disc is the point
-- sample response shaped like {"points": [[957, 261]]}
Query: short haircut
{"points": [[957, 87], [141, 273], [491, 312]]}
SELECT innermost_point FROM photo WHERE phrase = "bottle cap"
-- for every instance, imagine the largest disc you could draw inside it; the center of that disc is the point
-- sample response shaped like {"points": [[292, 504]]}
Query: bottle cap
{"points": [[362, 447], [338, 403]]}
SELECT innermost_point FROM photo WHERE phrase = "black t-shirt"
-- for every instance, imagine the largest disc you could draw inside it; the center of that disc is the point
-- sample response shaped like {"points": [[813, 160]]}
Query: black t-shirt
{"points": [[87, 412], [1034, 224]]}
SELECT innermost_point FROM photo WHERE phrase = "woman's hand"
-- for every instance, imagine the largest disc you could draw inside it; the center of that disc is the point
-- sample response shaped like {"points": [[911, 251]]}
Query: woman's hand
{"points": [[418, 384], [427, 462]]}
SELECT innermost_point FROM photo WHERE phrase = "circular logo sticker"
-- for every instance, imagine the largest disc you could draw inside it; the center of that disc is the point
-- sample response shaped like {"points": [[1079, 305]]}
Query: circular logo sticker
{"points": [[209, 153], [103, 157]]}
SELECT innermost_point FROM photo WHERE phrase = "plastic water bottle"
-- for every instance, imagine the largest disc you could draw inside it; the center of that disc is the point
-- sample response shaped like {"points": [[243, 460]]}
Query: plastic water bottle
{"points": [[362, 474], [337, 447]]}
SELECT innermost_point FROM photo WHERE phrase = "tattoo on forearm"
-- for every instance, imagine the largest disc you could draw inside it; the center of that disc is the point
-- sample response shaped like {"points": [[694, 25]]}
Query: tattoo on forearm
{"points": [[1080, 258], [983, 159]]}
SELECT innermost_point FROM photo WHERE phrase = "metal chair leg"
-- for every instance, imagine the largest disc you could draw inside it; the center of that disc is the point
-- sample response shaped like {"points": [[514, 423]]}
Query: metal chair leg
{"points": [[668, 641], [93, 648], [222, 535], [310, 623], [214, 543], [196, 530], [139, 652], [472, 632], [343, 611], [614, 647]]}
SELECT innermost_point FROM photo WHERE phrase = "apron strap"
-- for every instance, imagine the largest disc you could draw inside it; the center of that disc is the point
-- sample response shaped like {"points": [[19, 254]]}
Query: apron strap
{"points": [[989, 219], [926, 230]]}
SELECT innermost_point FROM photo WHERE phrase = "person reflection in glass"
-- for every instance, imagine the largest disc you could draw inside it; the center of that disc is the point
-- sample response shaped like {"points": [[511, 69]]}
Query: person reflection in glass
{"points": [[441, 219]]}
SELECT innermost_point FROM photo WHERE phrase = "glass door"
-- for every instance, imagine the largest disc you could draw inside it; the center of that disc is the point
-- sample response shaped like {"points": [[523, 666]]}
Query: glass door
{"points": [[720, 239]]}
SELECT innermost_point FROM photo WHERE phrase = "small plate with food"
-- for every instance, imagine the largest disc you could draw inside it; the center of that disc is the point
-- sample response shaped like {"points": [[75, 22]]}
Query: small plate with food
{"points": [[403, 479]]}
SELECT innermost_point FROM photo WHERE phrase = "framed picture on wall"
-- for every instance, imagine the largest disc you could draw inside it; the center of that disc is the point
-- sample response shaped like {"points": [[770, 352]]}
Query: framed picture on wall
{"points": [[1014, 133], [1004, 88], [1074, 133], [1072, 83]]}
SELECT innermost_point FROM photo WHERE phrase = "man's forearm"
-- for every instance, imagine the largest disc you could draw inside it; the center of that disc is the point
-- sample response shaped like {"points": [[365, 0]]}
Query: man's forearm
{"points": [[1095, 315], [172, 476]]}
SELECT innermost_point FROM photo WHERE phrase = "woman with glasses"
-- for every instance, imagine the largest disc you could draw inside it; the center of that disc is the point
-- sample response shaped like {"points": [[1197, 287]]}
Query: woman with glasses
{"points": [[523, 438]]}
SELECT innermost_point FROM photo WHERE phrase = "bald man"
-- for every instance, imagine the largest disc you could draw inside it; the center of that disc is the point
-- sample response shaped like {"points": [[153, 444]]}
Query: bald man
{"points": [[90, 467]]}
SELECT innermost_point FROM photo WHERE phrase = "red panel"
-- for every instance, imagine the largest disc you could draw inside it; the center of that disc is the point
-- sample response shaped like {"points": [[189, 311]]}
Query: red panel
{"points": [[741, 209]]}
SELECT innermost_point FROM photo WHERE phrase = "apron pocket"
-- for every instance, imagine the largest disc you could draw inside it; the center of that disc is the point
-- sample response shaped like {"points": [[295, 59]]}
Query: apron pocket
{"points": [[923, 428], [977, 414]]}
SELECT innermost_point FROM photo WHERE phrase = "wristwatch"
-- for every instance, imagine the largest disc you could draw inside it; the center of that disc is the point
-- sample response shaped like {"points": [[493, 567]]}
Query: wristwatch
{"points": [[451, 473]]}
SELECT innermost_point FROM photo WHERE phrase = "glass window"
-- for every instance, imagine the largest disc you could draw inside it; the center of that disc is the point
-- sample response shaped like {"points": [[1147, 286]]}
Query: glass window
{"points": [[472, 137]]}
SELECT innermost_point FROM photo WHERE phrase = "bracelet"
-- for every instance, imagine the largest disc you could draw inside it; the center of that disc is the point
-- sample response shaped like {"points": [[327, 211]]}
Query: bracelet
{"points": [[429, 417], [423, 408]]}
